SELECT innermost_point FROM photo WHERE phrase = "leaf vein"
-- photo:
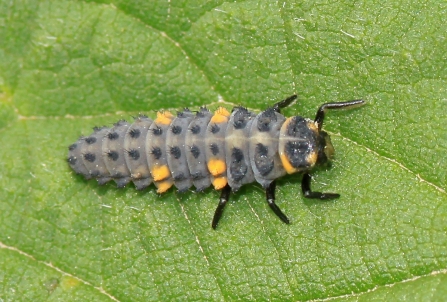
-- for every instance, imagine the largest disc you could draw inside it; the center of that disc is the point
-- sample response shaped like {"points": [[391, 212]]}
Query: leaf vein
{"points": [[49, 264]]}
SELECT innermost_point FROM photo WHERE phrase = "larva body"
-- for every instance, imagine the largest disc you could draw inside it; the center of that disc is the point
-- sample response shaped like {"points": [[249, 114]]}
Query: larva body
{"points": [[223, 149]]}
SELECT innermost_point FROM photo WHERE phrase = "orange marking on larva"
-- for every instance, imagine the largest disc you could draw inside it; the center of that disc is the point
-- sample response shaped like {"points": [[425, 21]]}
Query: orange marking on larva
{"points": [[221, 115], [163, 186], [312, 158], [286, 123], [312, 125], [160, 172], [164, 118], [219, 182], [286, 164], [216, 167]]}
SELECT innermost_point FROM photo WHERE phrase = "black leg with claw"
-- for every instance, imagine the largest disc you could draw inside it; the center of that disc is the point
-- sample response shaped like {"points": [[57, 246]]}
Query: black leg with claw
{"points": [[307, 192], [270, 196], [284, 103], [341, 105], [224, 197]]}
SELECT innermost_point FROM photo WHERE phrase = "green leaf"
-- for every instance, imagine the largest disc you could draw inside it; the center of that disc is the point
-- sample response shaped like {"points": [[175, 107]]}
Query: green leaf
{"points": [[66, 66]]}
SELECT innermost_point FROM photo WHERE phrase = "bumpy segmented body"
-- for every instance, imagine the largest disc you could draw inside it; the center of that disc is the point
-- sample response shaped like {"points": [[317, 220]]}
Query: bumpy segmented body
{"points": [[198, 149], [223, 149]]}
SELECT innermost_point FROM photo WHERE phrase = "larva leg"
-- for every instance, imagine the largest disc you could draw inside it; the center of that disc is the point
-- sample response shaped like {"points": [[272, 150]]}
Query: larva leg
{"points": [[284, 103], [270, 196], [341, 105], [224, 197], [307, 192]]}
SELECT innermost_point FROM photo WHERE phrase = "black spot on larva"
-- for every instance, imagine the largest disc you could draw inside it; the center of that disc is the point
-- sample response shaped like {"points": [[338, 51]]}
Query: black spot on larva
{"points": [[195, 151], [113, 155], [120, 123], [263, 163], [297, 152], [72, 160], [72, 147], [195, 129], [241, 117], [176, 130], [90, 140], [134, 154], [197, 176], [237, 155], [182, 114], [266, 119], [98, 128], [156, 152], [134, 133], [265, 169], [261, 149], [215, 128], [175, 151], [297, 124], [90, 157], [238, 167], [157, 131], [298, 128], [112, 136], [214, 149], [202, 112], [179, 177]]}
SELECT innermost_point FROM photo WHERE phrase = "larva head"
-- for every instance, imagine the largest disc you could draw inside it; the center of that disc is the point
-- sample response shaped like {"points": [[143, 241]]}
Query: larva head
{"points": [[325, 149], [302, 145]]}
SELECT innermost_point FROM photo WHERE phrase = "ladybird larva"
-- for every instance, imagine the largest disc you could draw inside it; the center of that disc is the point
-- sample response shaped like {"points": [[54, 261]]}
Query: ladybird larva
{"points": [[223, 149]]}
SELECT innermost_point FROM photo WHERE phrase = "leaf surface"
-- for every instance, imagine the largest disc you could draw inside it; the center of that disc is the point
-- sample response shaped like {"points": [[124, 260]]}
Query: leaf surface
{"points": [[66, 66]]}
